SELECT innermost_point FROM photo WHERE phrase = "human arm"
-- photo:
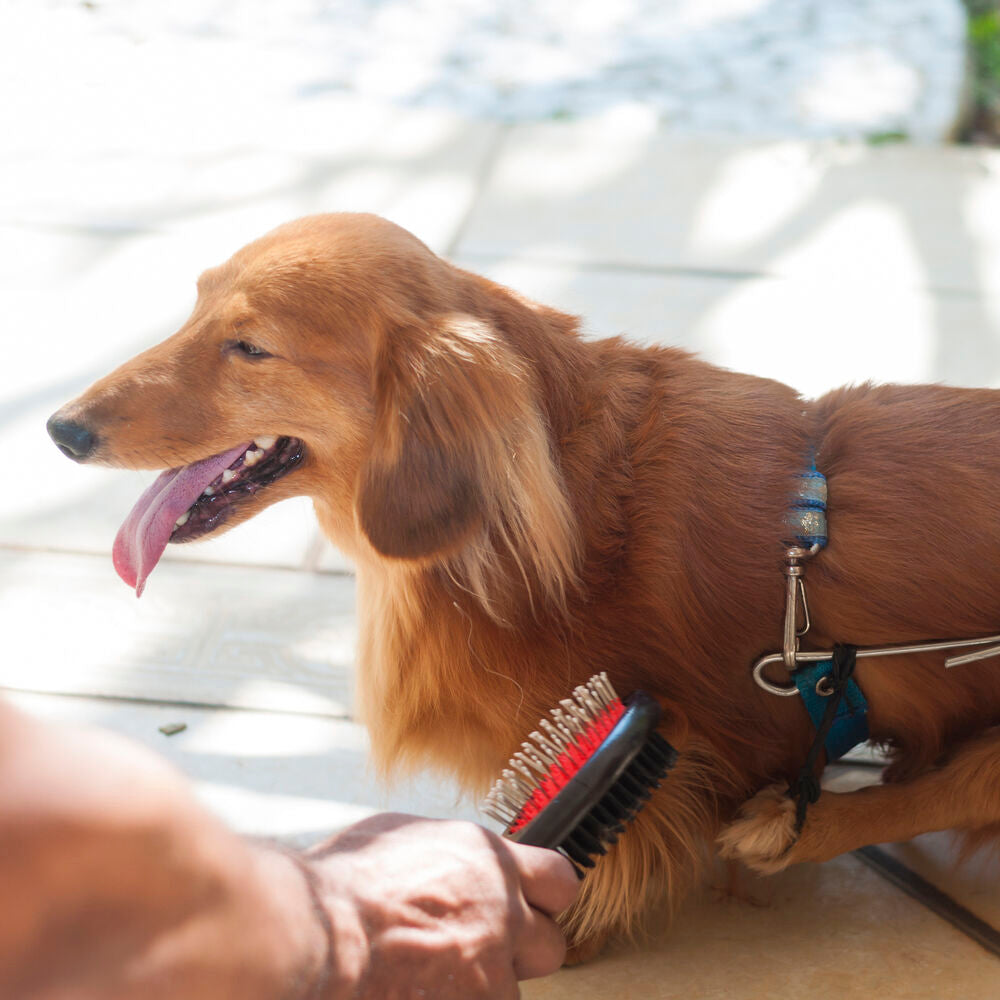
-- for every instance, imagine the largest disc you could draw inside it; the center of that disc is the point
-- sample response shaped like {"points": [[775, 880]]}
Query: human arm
{"points": [[119, 885]]}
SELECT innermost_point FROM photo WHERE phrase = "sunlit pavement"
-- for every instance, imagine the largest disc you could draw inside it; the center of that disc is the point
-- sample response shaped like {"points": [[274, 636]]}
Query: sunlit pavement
{"points": [[815, 262]]}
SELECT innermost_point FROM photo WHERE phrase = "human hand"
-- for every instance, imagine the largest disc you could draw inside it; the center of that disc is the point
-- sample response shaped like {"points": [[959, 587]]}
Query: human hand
{"points": [[439, 910]]}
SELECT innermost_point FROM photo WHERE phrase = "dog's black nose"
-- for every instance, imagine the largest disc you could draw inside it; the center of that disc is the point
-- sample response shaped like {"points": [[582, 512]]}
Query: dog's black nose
{"points": [[74, 440]]}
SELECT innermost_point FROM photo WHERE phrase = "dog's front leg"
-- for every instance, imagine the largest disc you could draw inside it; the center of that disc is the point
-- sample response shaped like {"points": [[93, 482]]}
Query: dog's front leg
{"points": [[963, 793]]}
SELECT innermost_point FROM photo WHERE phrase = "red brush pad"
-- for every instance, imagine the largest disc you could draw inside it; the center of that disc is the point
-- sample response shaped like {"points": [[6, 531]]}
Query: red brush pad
{"points": [[570, 761]]}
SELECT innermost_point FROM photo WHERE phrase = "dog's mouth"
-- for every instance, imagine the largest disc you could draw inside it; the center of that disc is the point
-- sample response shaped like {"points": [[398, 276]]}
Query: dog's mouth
{"points": [[187, 503], [264, 462]]}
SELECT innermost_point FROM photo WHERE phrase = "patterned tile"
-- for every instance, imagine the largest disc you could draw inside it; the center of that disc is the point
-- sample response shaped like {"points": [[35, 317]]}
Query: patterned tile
{"points": [[265, 773], [210, 635], [756, 324], [834, 932], [620, 191]]}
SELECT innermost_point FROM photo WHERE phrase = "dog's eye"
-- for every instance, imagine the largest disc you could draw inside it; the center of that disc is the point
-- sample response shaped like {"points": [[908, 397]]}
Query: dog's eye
{"points": [[251, 350]]}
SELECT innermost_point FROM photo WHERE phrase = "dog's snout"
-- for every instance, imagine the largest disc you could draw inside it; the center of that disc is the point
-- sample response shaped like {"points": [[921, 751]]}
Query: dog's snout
{"points": [[73, 439]]}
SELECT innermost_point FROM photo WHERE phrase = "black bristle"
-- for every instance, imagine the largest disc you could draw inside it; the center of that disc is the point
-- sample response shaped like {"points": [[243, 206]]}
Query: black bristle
{"points": [[586, 843], [602, 815], [649, 770], [655, 761], [635, 789], [577, 855], [643, 773], [617, 800], [668, 753]]}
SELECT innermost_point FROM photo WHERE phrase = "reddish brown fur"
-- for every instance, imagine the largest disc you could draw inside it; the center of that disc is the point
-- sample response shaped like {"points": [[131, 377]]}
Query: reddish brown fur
{"points": [[526, 508]]}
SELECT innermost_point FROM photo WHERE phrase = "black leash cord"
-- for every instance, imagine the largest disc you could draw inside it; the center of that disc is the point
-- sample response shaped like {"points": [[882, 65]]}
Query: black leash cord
{"points": [[805, 788]]}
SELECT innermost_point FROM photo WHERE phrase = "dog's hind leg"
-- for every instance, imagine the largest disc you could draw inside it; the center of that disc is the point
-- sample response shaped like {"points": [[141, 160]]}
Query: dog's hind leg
{"points": [[963, 793]]}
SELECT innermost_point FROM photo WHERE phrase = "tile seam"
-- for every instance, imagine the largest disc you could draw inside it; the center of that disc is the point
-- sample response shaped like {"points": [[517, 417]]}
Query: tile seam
{"points": [[934, 899]]}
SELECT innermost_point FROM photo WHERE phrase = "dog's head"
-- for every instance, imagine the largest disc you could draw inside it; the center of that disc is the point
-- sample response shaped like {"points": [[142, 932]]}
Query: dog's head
{"points": [[338, 358]]}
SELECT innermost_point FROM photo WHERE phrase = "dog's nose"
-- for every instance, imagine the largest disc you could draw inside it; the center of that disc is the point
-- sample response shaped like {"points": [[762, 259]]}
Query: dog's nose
{"points": [[73, 440]]}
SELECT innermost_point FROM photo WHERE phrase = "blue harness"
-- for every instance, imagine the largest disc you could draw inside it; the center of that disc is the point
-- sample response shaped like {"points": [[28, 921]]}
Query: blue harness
{"points": [[850, 722], [834, 701]]}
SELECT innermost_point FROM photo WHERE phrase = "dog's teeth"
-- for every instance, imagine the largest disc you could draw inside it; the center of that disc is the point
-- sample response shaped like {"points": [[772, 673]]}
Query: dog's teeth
{"points": [[252, 457], [264, 443], [182, 520], [228, 476], [208, 492]]}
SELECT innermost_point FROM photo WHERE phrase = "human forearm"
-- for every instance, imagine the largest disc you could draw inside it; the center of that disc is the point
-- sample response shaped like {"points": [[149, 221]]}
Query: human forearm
{"points": [[118, 884]]}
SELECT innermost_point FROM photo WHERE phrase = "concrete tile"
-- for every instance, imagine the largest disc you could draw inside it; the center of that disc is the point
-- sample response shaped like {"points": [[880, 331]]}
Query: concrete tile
{"points": [[419, 168], [811, 333], [974, 882], [77, 304], [330, 560], [617, 190], [833, 932], [267, 639], [252, 128], [265, 773]]}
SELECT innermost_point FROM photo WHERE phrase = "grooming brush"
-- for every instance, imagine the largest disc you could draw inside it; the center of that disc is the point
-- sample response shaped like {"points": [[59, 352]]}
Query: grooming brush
{"points": [[585, 773]]}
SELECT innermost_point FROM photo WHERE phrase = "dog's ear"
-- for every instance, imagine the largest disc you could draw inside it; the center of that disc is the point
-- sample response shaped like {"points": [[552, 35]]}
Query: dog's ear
{"points": [[421, 491], [462, 463]]}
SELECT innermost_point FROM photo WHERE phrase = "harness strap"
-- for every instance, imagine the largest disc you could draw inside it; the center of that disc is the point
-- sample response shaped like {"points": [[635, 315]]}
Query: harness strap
{"points": [[838, 711], [817, 683]]}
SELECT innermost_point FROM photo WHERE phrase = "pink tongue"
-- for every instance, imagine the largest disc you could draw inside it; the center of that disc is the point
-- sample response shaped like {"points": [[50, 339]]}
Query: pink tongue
{"points": [[146, 531]]}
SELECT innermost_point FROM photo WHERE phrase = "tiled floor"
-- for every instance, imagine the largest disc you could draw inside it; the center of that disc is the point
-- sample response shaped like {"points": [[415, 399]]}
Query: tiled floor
{"points": [[813, 263], [828, 931]]}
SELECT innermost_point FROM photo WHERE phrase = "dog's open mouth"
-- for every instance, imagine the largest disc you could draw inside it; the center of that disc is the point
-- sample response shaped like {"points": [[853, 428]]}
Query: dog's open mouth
{"points": [[266, 460], [187, 503]]}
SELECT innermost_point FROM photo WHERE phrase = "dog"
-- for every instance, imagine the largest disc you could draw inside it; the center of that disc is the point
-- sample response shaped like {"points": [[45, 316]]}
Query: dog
{"points": [[526, 508]]}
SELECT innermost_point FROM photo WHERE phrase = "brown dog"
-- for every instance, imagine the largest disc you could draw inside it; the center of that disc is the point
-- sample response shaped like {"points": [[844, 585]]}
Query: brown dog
{"points": [[526, 508]]}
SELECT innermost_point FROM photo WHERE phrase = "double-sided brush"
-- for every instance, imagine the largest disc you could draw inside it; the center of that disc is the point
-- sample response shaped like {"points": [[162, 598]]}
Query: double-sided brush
{"points": [[584, 773]]}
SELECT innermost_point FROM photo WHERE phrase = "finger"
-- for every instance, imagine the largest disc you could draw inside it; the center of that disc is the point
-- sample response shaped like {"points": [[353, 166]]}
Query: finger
{"points": [[549, 882], [540, 948]]}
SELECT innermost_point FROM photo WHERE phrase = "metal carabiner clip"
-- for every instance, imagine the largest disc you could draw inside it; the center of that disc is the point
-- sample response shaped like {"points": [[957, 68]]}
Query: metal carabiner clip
{"points": [[795, 594], [986, 647]]}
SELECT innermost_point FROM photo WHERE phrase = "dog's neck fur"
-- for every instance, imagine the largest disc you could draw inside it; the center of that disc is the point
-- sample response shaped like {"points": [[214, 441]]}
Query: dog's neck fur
{"points": [[642, 411]]}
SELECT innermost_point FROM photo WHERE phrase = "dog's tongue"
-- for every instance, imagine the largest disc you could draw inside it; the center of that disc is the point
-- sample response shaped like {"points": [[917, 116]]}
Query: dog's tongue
{"points": [[146, 531]]}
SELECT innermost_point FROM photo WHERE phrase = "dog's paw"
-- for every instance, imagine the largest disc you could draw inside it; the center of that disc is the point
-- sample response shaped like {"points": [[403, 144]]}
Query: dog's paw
{"points": [[763, 833]]}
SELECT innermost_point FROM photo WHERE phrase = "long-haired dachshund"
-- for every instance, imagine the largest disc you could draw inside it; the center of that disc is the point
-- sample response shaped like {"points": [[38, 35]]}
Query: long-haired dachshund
{"points": [[526, 508]]}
